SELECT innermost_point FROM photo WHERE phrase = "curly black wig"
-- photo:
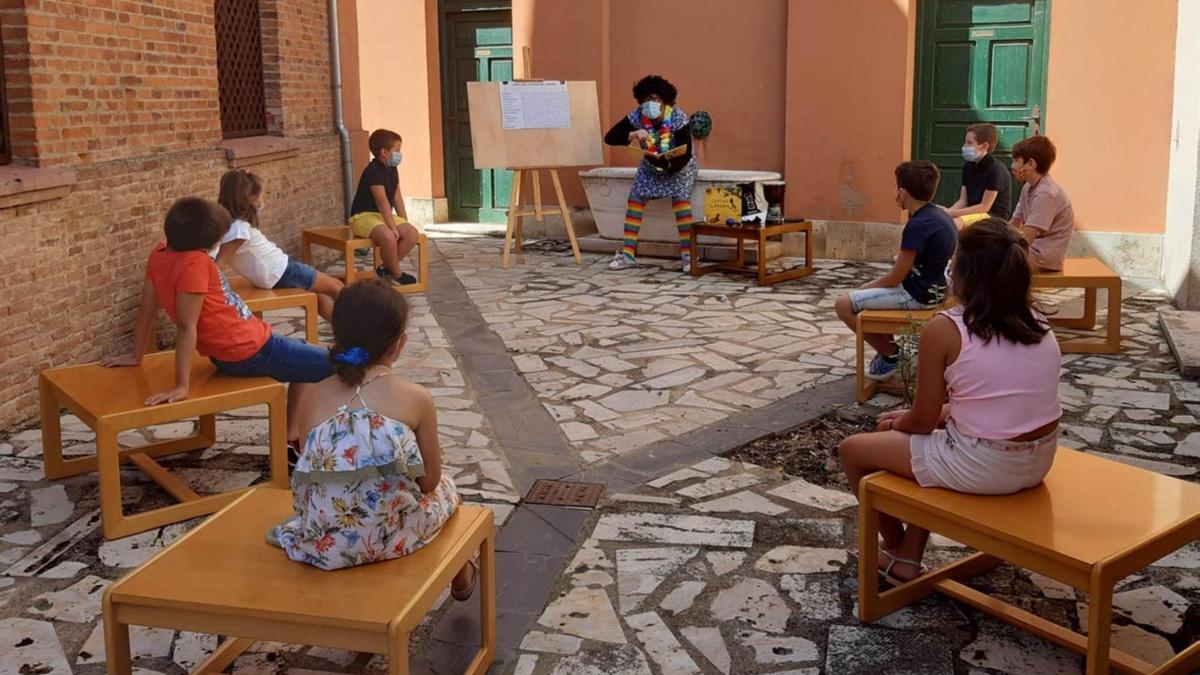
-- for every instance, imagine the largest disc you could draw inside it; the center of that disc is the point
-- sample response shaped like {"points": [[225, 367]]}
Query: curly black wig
{"points": [[655, 85]]}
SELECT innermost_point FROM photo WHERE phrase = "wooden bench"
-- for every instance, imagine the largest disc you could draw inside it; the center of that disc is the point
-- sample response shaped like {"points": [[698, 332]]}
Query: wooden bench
{"points": [[1090, 274], [1091, 523], [224, 578], [342, 240], [883, 322], [111, 400], [259, 300]]}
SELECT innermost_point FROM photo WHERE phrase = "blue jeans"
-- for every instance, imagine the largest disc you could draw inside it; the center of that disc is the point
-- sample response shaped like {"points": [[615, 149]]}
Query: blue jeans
{"points": [[283, 359], [297, 275], [883, 298]]}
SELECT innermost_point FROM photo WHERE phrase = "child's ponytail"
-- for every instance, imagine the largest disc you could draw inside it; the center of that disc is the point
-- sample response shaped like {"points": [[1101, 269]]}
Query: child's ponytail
{"points": [[239, 187]]}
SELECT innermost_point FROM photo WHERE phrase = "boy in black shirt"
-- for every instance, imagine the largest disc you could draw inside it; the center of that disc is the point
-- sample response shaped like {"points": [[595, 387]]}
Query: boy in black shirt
{"points": [[377, 196], [917, 279], [986, 190]]}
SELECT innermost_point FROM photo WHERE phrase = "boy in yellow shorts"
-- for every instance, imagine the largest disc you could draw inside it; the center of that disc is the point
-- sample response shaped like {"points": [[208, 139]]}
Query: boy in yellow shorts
{"points": [[371, 213], [986, 190]]}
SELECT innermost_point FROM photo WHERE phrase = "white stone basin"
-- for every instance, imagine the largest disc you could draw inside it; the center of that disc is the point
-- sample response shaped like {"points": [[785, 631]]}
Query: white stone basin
{"points": [[607, 190]]}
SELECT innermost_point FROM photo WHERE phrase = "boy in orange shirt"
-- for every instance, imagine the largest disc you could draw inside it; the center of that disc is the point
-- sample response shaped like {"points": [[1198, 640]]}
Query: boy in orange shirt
{"points": [[211, 319]]}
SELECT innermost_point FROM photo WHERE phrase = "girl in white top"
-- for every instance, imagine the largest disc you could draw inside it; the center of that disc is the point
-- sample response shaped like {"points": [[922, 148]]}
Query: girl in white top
{"points": [[995, 359], [257, 258]]}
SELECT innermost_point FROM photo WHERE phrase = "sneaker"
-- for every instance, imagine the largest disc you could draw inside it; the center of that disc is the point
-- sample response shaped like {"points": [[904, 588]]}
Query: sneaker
{"points": [[687, 263], [406, 279], [403, 280], [383, 273], [882, 369], [621, 261]]}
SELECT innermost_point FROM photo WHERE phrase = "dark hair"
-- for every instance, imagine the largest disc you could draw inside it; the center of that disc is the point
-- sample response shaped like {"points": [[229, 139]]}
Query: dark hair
{"points": [[368, 315], [1037, 148], [656, 85], [238, 190], [984, 133], [382, 139], [195, 224], [993, 279], [919, 178]]}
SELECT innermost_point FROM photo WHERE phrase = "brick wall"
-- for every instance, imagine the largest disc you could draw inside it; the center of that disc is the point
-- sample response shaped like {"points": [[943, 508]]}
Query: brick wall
{"points": [[124, 93]]}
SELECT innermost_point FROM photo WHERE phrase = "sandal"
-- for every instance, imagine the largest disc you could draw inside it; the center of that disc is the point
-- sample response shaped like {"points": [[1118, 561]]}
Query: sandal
{"points": [[464, 595], [886, 572]]}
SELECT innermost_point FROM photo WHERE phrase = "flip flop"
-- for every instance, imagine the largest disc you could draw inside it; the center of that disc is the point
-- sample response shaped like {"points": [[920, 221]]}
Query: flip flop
{"points": [[464, 595], [886, 572]]}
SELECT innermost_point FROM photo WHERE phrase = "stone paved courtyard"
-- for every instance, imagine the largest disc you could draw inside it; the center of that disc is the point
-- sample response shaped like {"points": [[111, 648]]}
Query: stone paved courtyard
{"points": [[692, 563]]}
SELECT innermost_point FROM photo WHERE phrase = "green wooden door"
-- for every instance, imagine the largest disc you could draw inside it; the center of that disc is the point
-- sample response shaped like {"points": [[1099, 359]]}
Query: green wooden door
{"points": [[477, 46], [977, 61]]}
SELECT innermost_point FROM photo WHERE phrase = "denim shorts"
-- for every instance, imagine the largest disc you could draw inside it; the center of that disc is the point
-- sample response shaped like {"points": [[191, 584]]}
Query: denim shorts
{"points": [[284, 359], [297, 275], [883, 298]]}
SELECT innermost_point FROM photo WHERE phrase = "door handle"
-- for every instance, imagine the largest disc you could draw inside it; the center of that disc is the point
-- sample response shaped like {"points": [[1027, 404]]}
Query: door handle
{"points": [[1035, 120]]}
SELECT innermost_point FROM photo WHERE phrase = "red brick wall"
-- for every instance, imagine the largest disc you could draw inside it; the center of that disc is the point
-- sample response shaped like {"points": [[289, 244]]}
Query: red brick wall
{"points": [[124, 93]]}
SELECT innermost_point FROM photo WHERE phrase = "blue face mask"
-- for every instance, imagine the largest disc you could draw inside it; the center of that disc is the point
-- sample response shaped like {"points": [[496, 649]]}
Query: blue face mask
{"points": [[969, 153], [652, 109], [394, 159]]}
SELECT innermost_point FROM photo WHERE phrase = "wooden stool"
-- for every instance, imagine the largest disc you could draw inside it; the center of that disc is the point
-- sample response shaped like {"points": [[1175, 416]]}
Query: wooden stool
{"points": [[259, 300], [224, 578], [882, 322], [1090, 274], [1091, 523], [111, 400], [341, 239]]}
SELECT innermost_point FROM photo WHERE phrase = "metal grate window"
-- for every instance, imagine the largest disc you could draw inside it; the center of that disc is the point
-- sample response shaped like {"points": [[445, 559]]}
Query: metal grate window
{"points": [[5, 145], [240, 68]]}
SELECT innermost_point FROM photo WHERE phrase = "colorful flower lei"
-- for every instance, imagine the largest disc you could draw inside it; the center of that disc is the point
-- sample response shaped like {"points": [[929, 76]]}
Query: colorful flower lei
{"points": [[660, 139]]}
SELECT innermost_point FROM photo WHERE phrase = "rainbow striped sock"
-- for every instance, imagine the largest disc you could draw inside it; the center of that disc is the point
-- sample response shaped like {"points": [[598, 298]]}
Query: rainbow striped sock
{"points": [[633, 224], [683, 223]]}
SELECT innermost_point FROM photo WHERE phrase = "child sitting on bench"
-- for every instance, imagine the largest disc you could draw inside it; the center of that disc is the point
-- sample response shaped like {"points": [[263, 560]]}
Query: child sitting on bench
{"points": [[1043, 214], [369, 484], [918, 275], [377, 212], [996, 360], [182, 278], [986, 188], [257, 258]]}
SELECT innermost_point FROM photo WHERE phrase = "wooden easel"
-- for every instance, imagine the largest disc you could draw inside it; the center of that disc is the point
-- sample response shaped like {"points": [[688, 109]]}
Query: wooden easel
{"points": [[517, 215]]}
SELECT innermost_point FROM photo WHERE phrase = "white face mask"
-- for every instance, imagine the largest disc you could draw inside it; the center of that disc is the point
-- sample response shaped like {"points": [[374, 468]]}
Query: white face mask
{"points": [[395, 159], [969, 153], [652, 109]]}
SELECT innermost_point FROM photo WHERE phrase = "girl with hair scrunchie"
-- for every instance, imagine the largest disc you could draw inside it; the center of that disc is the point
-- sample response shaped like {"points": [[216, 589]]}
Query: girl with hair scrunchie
{"points": [[368, 483]]}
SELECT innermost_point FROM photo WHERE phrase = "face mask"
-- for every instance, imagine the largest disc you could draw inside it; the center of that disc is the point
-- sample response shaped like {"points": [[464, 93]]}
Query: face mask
{"points": [[969, 153], [394, 159], [652, 109]]}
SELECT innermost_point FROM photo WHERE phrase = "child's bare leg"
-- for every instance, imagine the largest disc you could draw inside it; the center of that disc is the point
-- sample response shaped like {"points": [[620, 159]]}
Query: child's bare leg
{"points": [[407, 239], [327, 289], [864, 454], [464, 578], [845, 311], [385, 239], [883, 344], [294, 391], [912, 548]]}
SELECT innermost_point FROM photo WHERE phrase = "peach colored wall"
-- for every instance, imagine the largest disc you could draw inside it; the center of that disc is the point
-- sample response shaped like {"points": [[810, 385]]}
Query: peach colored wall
{"points": [[398, 68], [1108, 109], [847, 81]]}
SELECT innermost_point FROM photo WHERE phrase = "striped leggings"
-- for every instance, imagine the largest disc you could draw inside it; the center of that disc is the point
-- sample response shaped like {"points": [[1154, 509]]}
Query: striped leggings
{"points": [[633, 224]]}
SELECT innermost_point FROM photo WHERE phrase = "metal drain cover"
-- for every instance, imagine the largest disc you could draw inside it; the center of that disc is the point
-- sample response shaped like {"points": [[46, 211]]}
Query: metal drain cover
{"points": [[565, 493]]}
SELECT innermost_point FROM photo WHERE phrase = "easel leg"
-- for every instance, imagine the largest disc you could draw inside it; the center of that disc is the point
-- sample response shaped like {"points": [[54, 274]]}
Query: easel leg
{"points": [[535, 178], [566, 214], [514, 204], [520, 234]]}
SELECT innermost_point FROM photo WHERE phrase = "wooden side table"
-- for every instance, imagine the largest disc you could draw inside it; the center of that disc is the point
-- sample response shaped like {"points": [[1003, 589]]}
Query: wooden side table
{"points": [[760, 235], [111, 400], [224, 578]]}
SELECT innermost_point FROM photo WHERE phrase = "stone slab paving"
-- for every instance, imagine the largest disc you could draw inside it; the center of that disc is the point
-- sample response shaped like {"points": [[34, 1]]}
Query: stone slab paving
{"points": [[54, 563]]}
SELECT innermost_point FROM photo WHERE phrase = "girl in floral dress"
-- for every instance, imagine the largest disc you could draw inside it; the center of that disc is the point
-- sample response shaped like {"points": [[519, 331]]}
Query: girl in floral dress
{"points": [[659, 126], [368, 485]]}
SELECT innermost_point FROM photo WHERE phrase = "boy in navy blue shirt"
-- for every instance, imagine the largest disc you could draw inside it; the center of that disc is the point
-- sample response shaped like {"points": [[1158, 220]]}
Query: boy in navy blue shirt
{"points": [[917, 279]]}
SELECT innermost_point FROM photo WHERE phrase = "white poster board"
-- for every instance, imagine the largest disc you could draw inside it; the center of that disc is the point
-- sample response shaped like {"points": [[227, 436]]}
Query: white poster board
{"points": [[535, 105]]}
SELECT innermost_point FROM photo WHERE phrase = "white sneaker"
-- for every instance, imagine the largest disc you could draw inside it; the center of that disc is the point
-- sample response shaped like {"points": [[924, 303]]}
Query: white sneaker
{"points": [[687, 263], [621, 261]]}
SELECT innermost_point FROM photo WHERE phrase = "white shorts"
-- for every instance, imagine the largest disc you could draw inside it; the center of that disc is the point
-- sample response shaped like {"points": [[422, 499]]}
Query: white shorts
{"points": [[950, 459]]}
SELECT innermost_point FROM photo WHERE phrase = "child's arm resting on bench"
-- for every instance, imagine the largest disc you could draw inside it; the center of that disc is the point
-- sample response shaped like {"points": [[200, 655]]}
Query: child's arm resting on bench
{"points": [[187, 315], [143, 328]]}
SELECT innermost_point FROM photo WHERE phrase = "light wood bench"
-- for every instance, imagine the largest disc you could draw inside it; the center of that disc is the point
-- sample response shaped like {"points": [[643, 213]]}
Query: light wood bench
{"points": [[342, 240], [1090, 274], [883, 322], [1091, 523], [224, 578], [111, 400], [259, 300]]}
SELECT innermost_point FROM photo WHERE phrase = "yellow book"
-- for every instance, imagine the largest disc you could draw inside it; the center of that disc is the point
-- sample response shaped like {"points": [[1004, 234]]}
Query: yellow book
{"points": [[677, 151], [722, 204]]}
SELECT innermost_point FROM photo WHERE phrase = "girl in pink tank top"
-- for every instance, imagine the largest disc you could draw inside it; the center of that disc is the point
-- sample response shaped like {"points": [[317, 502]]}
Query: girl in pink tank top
{"points": [[996, 361]]}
